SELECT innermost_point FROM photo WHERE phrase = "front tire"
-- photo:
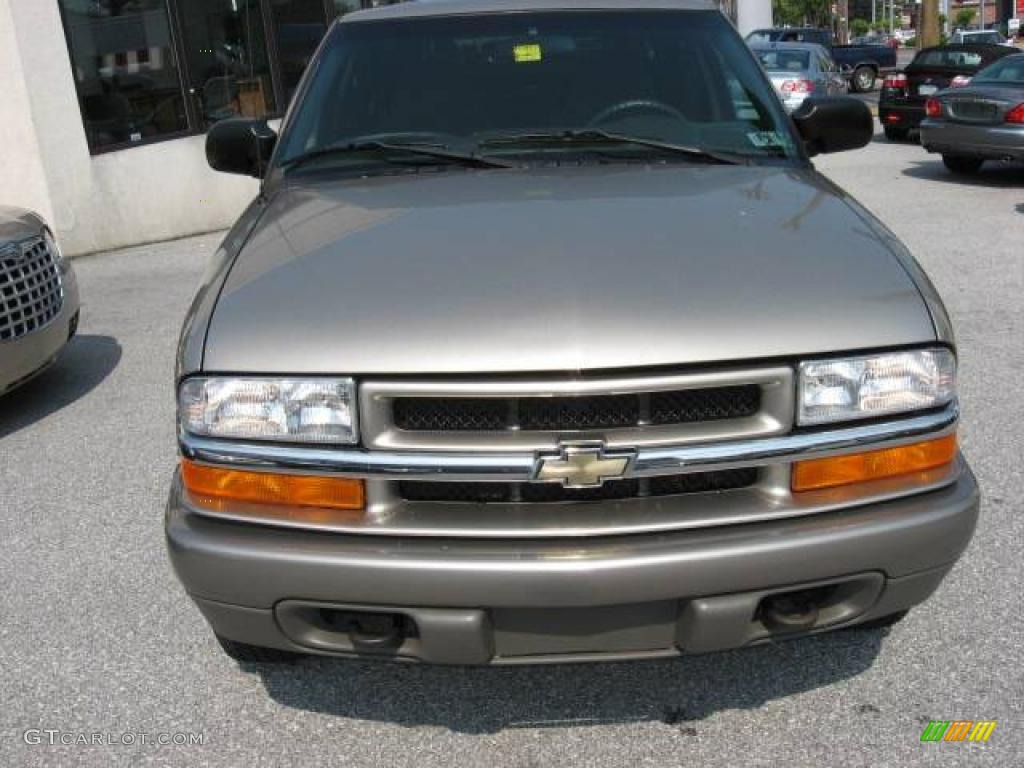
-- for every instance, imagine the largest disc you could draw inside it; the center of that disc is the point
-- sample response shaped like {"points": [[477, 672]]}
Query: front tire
{"points": [[863, 79], [896, 133], [962, 166], [244, 653]]}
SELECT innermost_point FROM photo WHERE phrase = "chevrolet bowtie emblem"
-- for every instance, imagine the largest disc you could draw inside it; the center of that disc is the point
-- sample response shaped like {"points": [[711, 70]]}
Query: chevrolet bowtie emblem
{"points": [[582, 466]]}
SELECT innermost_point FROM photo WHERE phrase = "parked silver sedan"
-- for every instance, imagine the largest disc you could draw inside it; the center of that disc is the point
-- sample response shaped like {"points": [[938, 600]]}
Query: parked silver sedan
{"points": [[799, 70], [979, 122], [39, 302]]}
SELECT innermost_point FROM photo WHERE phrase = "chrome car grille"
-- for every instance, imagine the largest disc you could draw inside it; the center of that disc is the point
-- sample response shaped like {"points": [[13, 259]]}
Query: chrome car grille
{"points": [[31, 291], [543, 413]]}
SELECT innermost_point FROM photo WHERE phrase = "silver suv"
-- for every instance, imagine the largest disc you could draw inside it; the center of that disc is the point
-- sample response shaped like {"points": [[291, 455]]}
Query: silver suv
{"points": [[544, 341]]}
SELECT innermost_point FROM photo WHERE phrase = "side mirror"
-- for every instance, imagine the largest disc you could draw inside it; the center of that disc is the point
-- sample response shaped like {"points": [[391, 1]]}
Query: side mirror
{"points": [[240, 145], [834, 124]]}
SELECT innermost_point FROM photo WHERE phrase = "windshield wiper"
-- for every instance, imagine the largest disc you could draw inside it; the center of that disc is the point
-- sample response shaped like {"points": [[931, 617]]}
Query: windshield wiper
{"points": [[598, 136], [387, 151]]}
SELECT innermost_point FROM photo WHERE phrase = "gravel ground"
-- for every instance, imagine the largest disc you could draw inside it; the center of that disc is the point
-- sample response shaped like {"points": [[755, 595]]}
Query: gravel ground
{"points": [[97, 635]]}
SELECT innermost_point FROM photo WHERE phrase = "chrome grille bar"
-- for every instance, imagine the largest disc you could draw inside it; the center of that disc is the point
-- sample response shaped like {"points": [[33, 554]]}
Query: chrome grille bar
{"points": [[31, 292], [518, 467]]}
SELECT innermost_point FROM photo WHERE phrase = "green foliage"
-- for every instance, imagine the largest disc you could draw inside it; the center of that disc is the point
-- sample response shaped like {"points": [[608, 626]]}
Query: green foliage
{"points": [[964, 17], [814, 13], [859, 27]]}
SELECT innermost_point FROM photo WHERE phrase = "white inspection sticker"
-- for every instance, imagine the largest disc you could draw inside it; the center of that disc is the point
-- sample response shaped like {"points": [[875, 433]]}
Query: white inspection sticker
{"points": [[767, 139]]}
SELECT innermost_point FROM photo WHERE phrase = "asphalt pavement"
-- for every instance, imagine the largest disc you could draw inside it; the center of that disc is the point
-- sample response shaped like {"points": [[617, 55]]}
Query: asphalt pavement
{"points": [[97, 637]]}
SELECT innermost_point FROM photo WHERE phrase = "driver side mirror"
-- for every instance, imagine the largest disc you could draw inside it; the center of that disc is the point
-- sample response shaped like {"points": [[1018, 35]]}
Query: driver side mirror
{"points": [[240, 145], [834, 124]]}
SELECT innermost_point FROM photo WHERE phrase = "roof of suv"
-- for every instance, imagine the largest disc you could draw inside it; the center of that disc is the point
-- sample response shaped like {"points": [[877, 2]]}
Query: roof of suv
{"points": [[465, 7]]}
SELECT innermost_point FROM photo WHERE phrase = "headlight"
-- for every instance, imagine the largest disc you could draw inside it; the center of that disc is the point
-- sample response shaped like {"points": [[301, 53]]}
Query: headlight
{"points": [[875, 385], [286, 410]]}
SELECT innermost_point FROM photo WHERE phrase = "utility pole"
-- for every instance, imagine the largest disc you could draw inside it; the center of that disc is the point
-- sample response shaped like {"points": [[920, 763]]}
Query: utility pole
{"points": [[844, 21], [928, 34]]}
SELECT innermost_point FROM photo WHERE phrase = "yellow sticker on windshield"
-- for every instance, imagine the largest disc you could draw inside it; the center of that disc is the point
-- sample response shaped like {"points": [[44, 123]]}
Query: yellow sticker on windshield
{"points": [[527, 52]]}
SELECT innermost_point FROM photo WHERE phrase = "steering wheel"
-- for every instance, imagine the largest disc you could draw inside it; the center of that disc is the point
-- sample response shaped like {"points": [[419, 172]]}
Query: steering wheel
{"points": [[636, 105]]}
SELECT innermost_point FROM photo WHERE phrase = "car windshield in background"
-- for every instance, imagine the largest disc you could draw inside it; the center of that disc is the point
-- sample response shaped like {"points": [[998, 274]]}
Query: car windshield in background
{"points": [[781, 59], [946, 58], [979, 37], [474, 84], [1009, 71]]}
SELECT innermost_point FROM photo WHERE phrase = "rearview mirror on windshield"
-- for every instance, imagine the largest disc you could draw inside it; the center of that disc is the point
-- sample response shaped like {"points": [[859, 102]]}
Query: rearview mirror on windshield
{"points": [[240, 145], [834, 124]]}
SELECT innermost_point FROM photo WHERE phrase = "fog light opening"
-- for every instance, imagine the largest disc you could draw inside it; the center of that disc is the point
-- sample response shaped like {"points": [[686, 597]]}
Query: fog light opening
{"points": [[796, 611], [369, 630]]}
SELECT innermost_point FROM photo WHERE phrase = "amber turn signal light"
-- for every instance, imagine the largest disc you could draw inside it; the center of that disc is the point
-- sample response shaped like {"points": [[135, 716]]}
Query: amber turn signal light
{"points": [[818, 474], [220, 484]]}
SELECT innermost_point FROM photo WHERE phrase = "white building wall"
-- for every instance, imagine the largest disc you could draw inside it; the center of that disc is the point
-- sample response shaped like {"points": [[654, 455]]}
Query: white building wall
{"points": [[143, 194], [22, 176], [753, 14]]}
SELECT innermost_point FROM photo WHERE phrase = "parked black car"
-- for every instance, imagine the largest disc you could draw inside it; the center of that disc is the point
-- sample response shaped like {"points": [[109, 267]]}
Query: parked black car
{"points": [[901, 106], [862, 65]]}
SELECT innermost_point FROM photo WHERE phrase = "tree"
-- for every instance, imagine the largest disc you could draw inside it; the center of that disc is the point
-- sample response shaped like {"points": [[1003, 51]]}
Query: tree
{"points": [[965, 17], [859, 27], [814, 13]]}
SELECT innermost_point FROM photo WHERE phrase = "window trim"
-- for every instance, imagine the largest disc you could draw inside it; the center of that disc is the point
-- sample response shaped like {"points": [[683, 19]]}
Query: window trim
{"points": [[193, 119]]}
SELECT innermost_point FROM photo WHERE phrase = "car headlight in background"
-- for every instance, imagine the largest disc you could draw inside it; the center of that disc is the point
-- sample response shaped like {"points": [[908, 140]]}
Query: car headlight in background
{"points": [[320, 411], [875, 385]]}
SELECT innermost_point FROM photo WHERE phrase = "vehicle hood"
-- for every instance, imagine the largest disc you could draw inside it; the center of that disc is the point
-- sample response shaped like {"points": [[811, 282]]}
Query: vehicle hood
{"points": [[598, 267], [18, 224]]}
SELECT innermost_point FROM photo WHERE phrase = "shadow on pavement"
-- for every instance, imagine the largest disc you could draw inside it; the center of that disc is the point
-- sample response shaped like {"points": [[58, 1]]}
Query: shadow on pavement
{"points": [[81, 367], [678, 692], [993, 175]]}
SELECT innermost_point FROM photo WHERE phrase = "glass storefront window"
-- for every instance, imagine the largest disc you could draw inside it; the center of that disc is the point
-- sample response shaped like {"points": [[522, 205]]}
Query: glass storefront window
{"points": [[299, 25], [125, 70], [226, 57]]}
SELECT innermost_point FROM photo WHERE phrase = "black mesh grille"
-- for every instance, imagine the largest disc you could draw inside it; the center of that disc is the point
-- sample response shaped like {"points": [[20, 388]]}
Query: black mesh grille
{"points": [[693, 405], [461, 415], [544, 413], [553, 493], [563, 414]]}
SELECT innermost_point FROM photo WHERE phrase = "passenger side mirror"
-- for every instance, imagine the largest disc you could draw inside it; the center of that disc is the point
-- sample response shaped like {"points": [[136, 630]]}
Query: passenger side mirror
{"points": [[240, 145], [834, 124]]}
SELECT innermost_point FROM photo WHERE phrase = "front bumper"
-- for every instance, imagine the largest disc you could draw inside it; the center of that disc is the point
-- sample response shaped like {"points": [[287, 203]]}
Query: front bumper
{"points": [[28, 356], [991, 142], [516, 601]]}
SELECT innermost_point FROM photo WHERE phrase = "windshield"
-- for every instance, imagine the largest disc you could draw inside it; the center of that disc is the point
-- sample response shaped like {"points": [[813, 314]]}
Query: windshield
{"points": [[946, 58], [680, 77], [781, 59], [1009, 71], [978, 37]]}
